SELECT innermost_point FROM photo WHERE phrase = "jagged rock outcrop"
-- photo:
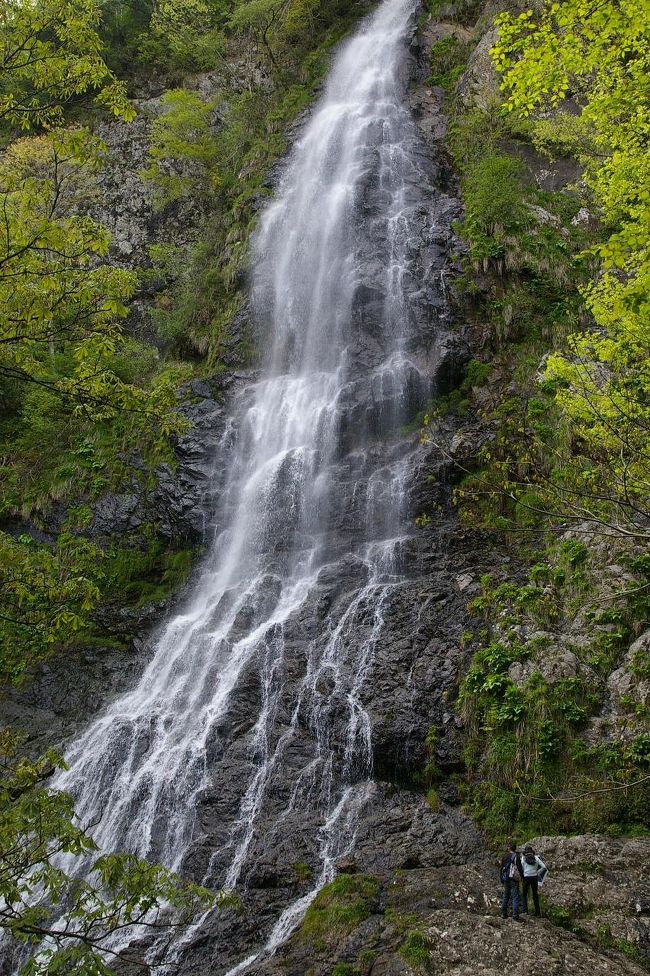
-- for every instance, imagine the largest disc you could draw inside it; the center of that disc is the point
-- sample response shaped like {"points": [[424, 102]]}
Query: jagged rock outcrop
{"points": [[442, 917], [629, 684], [479, 84], [178, 500]]}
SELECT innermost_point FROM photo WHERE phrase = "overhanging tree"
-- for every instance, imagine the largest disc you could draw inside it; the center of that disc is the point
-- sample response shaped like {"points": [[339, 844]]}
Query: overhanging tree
{"points": [[61, 301], [598, 56], [76, 910]]}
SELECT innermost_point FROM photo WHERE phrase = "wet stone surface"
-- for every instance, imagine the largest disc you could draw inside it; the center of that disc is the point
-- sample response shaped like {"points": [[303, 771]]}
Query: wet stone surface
{"points": [[315, 752]]}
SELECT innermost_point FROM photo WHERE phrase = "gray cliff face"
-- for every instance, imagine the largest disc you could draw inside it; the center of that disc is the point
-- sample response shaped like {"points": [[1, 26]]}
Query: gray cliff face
{"points": [[418, 655], [431, 864]]}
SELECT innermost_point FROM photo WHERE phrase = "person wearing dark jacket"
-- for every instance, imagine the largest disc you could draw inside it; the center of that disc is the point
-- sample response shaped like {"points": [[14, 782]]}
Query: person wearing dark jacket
{"points": [[511, 872], [534, 870]]}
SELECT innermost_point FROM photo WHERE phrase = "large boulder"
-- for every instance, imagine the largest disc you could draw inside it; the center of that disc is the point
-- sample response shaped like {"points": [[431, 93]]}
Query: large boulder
{"points": [[479, 83], [630, 683]]}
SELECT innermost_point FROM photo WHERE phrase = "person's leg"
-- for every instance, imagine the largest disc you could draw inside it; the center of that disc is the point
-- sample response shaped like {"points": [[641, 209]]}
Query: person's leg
{"points": [[505, 898], [515, 899], [535, 889], [525, 886]]}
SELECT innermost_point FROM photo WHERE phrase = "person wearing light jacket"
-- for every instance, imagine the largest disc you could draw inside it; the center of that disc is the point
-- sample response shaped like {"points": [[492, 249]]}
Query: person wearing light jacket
{"points": [[534, 871]]}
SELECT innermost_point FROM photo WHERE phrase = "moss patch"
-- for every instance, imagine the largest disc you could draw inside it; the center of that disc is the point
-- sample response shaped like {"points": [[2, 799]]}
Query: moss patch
{"points": [[416, 950], [339, 909]]}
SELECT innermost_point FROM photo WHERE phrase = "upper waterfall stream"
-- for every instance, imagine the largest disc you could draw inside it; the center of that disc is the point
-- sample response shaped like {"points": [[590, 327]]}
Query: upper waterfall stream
{"points": [[248, 731]]}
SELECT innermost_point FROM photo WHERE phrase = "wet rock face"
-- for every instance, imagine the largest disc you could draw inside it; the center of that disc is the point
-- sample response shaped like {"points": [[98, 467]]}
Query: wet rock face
{"points": [[180, 502], [415, 667], [414, 662], [66, 692]]}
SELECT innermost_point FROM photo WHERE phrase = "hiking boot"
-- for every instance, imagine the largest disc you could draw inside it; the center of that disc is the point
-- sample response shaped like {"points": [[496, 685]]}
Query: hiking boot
{"points": [[517, 918]]}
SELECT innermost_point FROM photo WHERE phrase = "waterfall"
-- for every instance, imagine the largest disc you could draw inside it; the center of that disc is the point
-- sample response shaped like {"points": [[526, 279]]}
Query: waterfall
{"points": [[248, 725]]}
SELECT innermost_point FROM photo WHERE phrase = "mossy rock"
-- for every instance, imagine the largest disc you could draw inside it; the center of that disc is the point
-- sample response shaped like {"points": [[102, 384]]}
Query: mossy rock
{"points": [[339, 909]]}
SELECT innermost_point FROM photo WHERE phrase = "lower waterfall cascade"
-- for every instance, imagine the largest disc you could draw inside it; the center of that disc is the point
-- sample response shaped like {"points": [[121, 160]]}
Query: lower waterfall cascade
{"points": [[248, 742]]}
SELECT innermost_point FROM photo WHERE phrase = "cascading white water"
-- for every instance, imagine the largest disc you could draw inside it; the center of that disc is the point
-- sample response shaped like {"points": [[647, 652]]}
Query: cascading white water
{"points": [[301, 431]]}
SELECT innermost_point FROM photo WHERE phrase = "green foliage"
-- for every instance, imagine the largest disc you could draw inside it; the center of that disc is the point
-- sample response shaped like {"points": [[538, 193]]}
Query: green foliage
{"points": [[259, 15], [529, 768], [494, 207], [183, 150], [448, 60], [433, 800], [47, 596], [476, 373], [122, 24], [560, 916], [49, 592], [457, 401], [567, 432], [50, 54], [90, 451], [60, 301], [339, 908], [365, 960], [601, 377], [431, 772], [605, 938], [362, 967], [75, 392], [119, 891], [301, 871], [572, 922], [145, 575], [416, 950], [276, 24], [56, 299], [399, 921], [527, 288], [185, 36]]}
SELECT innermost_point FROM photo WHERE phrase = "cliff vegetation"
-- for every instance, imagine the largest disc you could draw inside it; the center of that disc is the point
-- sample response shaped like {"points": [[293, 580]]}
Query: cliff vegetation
{"points": [[548, 132]]}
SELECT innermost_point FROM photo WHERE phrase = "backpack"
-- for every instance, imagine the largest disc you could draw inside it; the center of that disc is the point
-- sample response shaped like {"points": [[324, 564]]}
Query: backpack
{"points": [[509, 868], [530, 858]]}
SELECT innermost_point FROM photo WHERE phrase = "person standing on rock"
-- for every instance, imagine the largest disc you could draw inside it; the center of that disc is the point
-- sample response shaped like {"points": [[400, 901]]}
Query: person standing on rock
{"points": [[511, 872], [534, 872]]}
